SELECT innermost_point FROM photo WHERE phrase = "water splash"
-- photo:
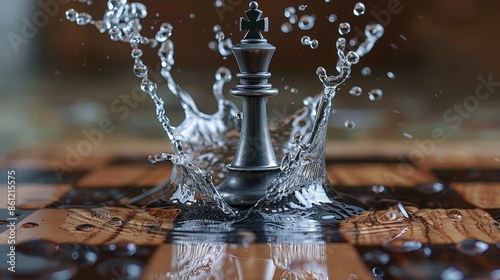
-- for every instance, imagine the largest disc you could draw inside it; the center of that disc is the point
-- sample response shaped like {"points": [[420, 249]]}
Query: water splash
{"points": [[202, 143]]}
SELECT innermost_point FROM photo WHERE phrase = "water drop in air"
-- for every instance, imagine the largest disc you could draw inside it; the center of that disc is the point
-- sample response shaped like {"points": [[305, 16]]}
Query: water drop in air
{"points": [[375, 94], [407, 135], [286, 27], [140, 70], [71, 15], [83, 18], [349, 124], [302, 7], [344, 28], [306, 22], [289, 11], [353, 57], [305, 40], [332, 18], [356, 91], [366, 71], [314, 44], [359, 9]]}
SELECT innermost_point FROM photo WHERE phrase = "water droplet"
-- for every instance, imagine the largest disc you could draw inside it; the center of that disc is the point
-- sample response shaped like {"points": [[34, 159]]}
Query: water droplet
{"points": [[353, 57], [148, 87], [71, 15], [378, 189], [293, 19], [164, 33], [83, 18], [289, 11], [359, 9], [353, 42], [452, 273], [85, 227], [403, 37], [402, 245], [286, 27], [305, 40], [306, 22], [377, 257], [349, 124], [378, 273], [302, 7], [122, 249], [472, 247], [314, 44], [366, 71], [136, 53], [152, 159], [30, 225], [391, 75], [356, 91], [140, 70], [407, 135], [223, 74], [321, 72], [332, 18], [341, 43], [219, 3], [115, 34], [115, 221], [375, 94], [430, 188], [374, 30], [344, 28], [294, 90], [192, 15], [454, 214]]}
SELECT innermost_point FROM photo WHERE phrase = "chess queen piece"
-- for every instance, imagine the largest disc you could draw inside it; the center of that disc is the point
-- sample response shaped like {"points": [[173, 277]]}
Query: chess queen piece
{"points": [[254, 165]]}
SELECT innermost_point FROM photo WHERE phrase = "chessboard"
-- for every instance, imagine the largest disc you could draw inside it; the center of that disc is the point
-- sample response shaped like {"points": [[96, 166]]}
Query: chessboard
{"points": [[70, 219]]}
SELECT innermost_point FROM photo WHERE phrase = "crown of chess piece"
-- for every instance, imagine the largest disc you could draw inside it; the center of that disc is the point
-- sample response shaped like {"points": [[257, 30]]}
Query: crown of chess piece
{"points": [[254, 165]]}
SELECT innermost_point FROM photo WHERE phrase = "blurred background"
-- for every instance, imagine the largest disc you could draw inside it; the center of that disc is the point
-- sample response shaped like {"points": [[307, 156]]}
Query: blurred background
{"points": [[58, 79]]}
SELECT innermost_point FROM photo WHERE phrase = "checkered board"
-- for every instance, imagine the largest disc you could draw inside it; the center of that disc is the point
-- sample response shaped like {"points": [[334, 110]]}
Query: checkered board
{"points": [[80, 227]]}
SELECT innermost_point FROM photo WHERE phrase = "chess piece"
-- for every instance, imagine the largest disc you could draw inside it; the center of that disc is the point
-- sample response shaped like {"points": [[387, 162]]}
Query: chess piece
{"points": [[254, 165]]}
